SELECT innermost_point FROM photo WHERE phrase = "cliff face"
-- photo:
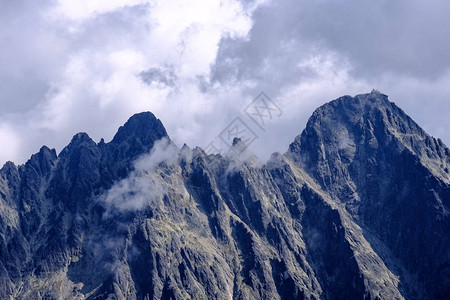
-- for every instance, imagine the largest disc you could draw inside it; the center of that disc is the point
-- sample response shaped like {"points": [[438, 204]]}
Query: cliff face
{"points": [[358, 208], [391, 177]]}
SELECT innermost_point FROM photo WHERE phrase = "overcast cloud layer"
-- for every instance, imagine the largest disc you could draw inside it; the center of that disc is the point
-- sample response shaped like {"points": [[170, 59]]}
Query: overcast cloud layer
{"points": [[88, 65]]}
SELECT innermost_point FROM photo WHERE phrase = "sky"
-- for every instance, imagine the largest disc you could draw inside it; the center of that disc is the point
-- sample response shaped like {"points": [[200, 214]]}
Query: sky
{"points": [[69, 66]]}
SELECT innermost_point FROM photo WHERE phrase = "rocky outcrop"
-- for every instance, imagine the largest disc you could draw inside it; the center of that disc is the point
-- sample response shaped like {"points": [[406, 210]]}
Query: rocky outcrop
{"points": [[356, 209]]}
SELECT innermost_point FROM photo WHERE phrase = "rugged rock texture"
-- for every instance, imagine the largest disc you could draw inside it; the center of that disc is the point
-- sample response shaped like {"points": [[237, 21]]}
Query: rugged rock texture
{"points": [[358, 208]]}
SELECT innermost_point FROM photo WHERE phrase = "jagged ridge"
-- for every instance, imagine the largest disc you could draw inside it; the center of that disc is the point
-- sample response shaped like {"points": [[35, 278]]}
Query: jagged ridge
{"points": [[356, 209]]}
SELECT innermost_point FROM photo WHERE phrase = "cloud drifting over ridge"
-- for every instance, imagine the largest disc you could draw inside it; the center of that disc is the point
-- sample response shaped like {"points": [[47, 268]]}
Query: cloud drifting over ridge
{"points": [[144, 186], [70, 66]]}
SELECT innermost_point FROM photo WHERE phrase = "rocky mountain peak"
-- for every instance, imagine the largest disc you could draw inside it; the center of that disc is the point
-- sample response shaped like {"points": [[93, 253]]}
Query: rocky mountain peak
{"points": [[80, 137], [340, 129], [375, 161], [46, 152], [8, 168], [42, 161], [142, 127], [136, 137], [237, 142]]}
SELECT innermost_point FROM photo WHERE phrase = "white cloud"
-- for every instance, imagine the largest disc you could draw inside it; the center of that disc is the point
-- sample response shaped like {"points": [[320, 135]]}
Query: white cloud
{"points": [[72, 66], [164, 151], [82, 9], [144, 187], [10, 142], [133, 194]]}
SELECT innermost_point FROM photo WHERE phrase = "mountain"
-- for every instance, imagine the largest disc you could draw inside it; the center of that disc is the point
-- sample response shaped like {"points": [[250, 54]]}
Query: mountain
{"points": [[357, 208]]}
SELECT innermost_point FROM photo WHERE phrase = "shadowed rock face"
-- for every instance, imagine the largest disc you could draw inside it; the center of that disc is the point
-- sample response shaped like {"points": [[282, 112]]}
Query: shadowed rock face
{"points": [[391, 177], [358, 208]]}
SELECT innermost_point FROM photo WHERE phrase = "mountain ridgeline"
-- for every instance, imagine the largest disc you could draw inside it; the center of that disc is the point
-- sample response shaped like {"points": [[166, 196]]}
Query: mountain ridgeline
{"points": [[357, 208]]}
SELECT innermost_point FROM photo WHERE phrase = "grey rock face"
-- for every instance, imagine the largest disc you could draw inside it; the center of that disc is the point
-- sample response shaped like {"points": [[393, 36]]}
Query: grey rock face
{"points": [[358, 208], [393, 180]]}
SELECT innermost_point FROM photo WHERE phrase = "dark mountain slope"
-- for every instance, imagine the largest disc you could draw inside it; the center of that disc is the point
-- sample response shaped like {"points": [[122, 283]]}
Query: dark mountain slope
{"points": [[392, 177], [356, 209]]}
